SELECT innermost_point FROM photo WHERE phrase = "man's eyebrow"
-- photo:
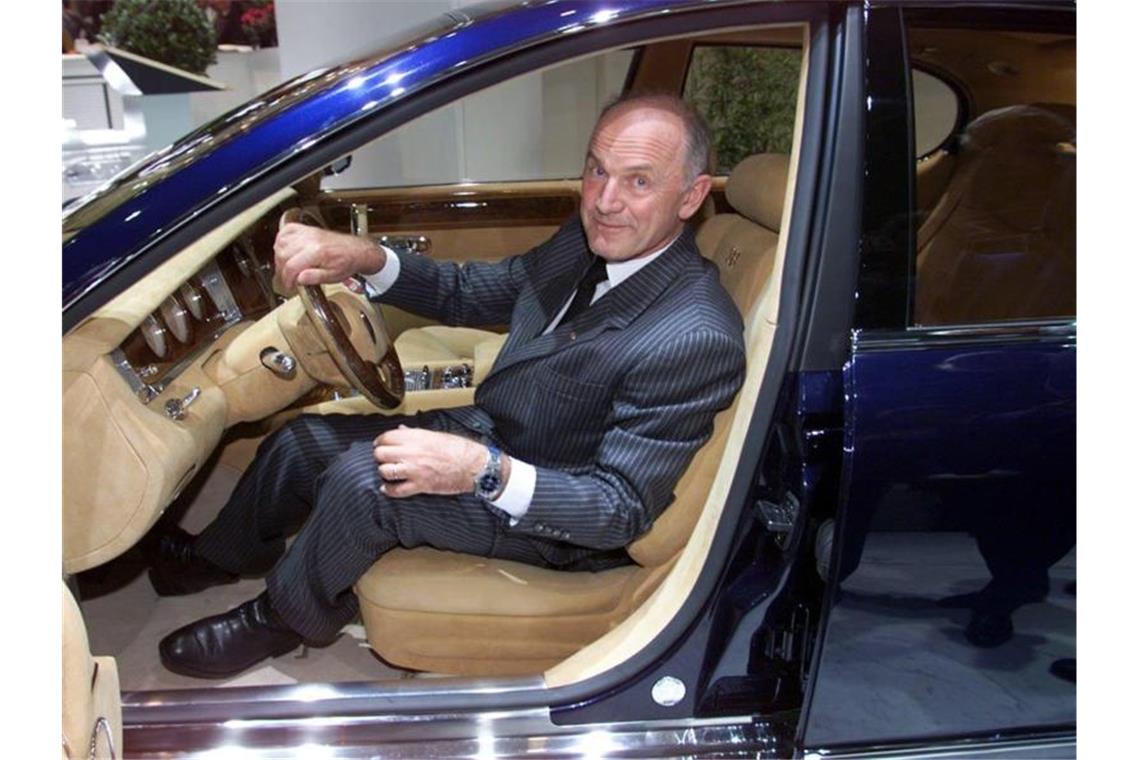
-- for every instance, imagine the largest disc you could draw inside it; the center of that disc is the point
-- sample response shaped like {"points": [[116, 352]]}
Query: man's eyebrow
{"points": [[645, 168]]}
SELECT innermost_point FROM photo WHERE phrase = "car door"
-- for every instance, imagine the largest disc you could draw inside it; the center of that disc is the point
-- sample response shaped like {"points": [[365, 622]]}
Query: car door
{"points": [[951, 617]]}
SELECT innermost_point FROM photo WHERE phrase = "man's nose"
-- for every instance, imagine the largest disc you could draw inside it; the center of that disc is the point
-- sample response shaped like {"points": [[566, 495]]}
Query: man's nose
{"points": [[609, 199]]}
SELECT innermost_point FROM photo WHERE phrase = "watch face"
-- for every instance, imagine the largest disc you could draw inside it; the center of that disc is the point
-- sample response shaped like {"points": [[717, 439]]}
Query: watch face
{"points": [[488, 483], [491, 479]]}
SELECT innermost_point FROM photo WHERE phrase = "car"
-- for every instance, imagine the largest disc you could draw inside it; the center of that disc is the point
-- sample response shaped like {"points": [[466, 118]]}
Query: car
{"points": [[874, 554]]}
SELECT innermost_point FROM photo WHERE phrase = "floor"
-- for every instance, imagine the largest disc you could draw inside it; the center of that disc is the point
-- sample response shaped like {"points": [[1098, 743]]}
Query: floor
{"points": [[937, 682], [126, 618]]}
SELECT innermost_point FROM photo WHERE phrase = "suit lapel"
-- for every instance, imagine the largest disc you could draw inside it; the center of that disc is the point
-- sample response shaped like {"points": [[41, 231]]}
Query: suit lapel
{"points": [[537, 306], [614, 310]]}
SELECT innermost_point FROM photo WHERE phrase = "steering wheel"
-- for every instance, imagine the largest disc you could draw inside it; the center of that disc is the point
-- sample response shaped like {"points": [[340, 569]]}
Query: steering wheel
{"points": [[380, 381]]}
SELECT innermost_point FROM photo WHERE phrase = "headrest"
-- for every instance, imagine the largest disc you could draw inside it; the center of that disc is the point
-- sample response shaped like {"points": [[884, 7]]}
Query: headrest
{"points": [[756, 188], [1018, 165], [1022, 127]]}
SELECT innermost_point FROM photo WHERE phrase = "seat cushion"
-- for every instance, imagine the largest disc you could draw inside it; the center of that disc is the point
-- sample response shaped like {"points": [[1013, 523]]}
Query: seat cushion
{"points": [[455, 613]]}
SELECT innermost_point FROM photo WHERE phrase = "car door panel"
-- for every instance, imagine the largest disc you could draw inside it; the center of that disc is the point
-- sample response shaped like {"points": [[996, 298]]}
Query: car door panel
{"points": [[959, 474]]}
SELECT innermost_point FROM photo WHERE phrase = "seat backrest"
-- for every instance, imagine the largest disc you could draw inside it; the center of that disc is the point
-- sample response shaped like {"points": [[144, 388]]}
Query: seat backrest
{"points": [[743, 246], [1001, 241]]}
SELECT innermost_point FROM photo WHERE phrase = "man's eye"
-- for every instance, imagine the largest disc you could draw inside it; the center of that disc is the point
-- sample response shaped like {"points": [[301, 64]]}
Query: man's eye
{"points": [[597, 171], [641, 182]]}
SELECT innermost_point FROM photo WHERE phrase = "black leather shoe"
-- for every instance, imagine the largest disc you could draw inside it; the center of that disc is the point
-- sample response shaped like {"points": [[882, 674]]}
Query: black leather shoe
{"points": [[225, 645], [176, 570], [987, 630], [1065, 668]]}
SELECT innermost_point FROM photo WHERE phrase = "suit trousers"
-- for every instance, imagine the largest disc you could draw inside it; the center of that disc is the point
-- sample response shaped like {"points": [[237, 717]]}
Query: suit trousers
{"points": [[319, 470]]}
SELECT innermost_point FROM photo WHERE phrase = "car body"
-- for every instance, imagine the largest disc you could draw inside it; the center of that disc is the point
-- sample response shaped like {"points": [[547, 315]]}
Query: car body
{"points": [[878, 450]]}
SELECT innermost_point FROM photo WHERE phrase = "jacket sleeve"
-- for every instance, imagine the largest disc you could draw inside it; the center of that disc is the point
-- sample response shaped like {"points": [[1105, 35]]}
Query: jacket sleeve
{"points": [[661, 416], [473, 294]]}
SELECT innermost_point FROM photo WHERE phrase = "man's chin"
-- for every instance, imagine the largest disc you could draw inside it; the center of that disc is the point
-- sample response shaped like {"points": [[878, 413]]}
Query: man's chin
{"points": [[608, 249]]}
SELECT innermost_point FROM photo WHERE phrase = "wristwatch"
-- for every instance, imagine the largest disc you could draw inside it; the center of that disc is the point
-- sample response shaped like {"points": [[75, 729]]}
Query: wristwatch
{"points": [[489, 482]]}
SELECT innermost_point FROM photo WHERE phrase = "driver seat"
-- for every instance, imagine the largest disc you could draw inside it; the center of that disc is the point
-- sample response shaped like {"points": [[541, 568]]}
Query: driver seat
{"points": [[440, 611]]}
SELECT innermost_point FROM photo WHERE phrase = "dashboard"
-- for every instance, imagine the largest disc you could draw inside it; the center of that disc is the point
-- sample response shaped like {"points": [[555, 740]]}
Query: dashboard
{"points": [[236, 286]]}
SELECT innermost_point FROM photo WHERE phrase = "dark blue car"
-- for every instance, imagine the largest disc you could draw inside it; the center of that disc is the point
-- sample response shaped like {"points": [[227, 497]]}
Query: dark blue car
{"points": [[873, 556]]}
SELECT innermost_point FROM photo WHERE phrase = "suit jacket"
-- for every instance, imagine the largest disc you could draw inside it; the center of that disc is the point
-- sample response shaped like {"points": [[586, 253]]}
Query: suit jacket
{"points": [[611, 406]]}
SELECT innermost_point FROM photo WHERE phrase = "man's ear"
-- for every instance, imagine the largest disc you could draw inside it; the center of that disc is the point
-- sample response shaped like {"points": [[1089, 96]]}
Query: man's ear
{"points": [[695, 196]]}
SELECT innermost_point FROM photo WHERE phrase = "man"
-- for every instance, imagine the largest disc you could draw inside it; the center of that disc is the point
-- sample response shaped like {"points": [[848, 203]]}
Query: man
{"points": [[622, 348]]}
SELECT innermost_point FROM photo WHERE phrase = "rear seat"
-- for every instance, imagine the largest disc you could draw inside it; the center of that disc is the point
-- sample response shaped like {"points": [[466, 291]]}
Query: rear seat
{"points": [[1001, 241]]}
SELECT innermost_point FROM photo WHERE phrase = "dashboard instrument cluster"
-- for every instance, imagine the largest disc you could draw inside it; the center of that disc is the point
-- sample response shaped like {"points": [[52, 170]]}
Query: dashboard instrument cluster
{"points": [[236, 285]]}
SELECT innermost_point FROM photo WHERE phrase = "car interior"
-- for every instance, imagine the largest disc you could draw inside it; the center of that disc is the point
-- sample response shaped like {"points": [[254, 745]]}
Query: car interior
{"points": [[169, 387]]}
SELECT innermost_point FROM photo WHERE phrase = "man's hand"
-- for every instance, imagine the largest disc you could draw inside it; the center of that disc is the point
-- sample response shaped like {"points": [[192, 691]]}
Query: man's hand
{"points": [[307, 255], [415, 461]]}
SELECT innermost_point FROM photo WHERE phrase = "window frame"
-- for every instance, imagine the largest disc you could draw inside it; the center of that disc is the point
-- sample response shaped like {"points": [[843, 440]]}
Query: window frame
{"points": [[884, 310]]}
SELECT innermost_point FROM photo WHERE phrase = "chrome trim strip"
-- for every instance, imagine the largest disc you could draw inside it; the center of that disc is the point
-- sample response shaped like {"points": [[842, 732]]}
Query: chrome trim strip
{"points": [[1052, 744], [128, 373], [944, 337], [324, 699], [498, 734]]}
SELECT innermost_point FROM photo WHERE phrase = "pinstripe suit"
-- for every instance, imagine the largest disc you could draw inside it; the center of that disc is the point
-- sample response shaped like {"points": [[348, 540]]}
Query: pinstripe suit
{"points": [[610, 407]]}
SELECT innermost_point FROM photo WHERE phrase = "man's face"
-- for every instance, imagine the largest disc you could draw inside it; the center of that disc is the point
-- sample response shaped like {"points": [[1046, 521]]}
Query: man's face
{"points": [[634, 195]]}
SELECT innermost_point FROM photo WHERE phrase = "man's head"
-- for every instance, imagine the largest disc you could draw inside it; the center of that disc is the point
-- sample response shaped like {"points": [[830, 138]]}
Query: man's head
{"points": [[645, 175]]}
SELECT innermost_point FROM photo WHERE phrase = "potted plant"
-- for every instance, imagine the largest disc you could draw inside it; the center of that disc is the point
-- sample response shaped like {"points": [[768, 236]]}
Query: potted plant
{"points": [[260, 25], [175, 32]]}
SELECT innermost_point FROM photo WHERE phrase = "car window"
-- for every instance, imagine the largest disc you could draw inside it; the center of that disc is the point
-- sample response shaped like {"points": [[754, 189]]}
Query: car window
{"points": [[936, 110], [748, 95], [995, 233], [532, 127]]}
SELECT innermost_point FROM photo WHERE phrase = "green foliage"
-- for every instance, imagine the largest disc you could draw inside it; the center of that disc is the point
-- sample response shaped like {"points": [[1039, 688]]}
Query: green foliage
{"points": [[175, 32], [748, 96]]}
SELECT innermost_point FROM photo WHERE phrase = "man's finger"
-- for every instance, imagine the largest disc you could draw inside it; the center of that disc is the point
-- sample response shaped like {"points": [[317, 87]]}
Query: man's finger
{"points": [[399, 489], [316, 276], [384, 453], [293, 267], [399, 437]]}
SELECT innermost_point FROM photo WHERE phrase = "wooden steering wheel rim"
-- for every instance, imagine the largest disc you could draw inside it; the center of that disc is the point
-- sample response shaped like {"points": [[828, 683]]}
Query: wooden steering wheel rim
{"points": [[381, 382]]}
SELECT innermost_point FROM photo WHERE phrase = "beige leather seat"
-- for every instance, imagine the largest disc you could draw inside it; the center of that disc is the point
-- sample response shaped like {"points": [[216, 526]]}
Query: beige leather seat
{"points": [[92, 714], [1001, 241], [435, 344], [452, 613]]}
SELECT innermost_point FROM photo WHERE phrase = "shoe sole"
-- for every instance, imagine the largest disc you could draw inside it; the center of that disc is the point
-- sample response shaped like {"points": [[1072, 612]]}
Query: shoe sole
{"points": [[187, 670]]}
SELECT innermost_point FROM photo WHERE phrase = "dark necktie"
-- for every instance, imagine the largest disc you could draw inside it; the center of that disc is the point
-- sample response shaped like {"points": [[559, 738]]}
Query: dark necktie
{"points": [[595, 273]]}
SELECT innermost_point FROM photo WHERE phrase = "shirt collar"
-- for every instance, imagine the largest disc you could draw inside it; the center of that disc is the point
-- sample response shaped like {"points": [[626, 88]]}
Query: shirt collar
{"points": [[618, 271]]}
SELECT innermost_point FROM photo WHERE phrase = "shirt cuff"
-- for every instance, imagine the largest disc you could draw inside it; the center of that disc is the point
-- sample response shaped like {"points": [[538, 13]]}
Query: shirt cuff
{"points": [[516, 496], [378, 282]]}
